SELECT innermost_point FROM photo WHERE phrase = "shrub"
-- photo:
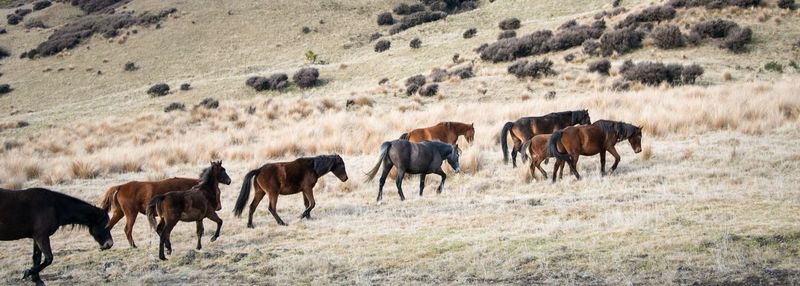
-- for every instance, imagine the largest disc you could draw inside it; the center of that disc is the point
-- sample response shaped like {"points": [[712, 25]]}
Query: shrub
{"points": [[405, 9], [375, 36], [92, 6], [4, 53], [513, 48], [209, 103], [305, 30], [41, 5], [415, 19], [569, 57], [35, 24], [774, 66], [716, 28], [509, 24], [463, 73], [650, 73], [736, 39], [616, 3], [3, 31], [713, 4], [469, 33], [439, 75], [311, 56], [415, 43], [306, 77], [382, 45], [274, 82], [483, 47], [160, 89], [621, 85], [5, 88], [668, 37], [649, 14], [385, 18], [506, 34], [787, 4], [175, 106], [600, 66], [22, 12], [572, 37], [411, 89], [418, 80], [536, 69], [13, 19], [130, 66], [691, 73], [591, 47], [185, 86], [383, 81], [429, 90], [621, 41]]}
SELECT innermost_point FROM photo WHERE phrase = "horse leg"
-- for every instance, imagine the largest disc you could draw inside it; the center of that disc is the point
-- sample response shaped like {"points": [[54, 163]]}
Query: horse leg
{"points": [[308, 196], [259, 195], [130, 219], [538, 163], [387, 166], [199, 233], [273, 205], [614, 153], [215, 218], [37, 260], [43, 245], [421, 183], [603, 163], [399, 183], [444, 177], [517, 148], [164, 238], [558, 163], [573, 166], [118, 214]]}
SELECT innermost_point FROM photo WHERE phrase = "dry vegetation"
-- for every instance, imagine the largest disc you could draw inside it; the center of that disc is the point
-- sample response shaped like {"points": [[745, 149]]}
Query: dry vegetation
{"points": [[712, 198]]}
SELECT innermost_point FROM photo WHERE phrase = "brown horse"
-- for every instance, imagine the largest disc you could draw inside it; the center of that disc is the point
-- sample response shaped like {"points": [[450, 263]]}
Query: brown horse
{"points": [[194, 204], [536, 148], [38, 213], [131, 199], [287, 178], [526, 127], [590, 140], [446, 132]]}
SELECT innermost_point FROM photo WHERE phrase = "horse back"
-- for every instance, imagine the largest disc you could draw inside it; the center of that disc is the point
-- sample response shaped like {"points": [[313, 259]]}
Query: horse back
{"points": [[288, 177], [139, 194], [584, 140], [25, 213]]}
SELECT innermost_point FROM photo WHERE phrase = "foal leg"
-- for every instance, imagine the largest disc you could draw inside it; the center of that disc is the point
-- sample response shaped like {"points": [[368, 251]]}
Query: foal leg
{"points": [[258, 196], [421, 183], [164, 238], [308, 195], [199, 233], [130, 219], [558, 163], [444, 177], [573, 166], [399, 183], [215, 218], [514, 150], [539, 166], [614, 153], [118, 214]]}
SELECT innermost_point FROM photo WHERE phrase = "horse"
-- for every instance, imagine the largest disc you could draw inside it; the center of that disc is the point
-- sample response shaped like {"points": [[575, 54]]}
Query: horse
{"points": [[194, 204], [287, 178], [414, 158], [590, 140], [536, 148], [131, 199], [447, 132], [38, 213], [526, 127]]}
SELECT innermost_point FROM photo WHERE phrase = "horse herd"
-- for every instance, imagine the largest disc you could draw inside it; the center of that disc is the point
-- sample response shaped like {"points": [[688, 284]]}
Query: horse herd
{"points": [[37, 213]]}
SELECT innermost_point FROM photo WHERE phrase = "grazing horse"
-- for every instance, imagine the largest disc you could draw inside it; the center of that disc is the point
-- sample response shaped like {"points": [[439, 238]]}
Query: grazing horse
{"points": [[194, 204], [131, 199], [526, 127], [287, 178], [37, 213], [536, 148], [446, 132], [590, 140], [414, 158]]}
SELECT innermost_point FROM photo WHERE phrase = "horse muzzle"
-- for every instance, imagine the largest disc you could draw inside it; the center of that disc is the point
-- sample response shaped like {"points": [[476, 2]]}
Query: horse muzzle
{"points": [[637, 150], [108, 244]]}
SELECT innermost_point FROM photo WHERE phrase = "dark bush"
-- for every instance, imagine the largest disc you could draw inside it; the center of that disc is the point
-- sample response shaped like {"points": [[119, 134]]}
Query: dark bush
{"points": [[186, 86], [568, 24], [569, 38], [439, 75], [415, 43], [306, 77], [483, 47], [385, 18], [130, 66], [5, 88], [411, 89], [405, 9], [418, 80], [160, 89], [650, 73], [451, 6], [35, 24], [209, 103], [512, 48], [509, 24], [274, 82], [375, 36], [91, 6], [383, 81], [691, 73], [621, 41], [305, 30], [668, 37], [713, 4], [463, 73], [774, 66], [787, 4], [621, 85], [3, 31], [22, 12], [41, 5], [175, 106], [600, 66], [536, 69], [591, 47], [469, 33], [616, 3], [4, 53], [13, 19], [649, 14], [382, 45], [429, 90], [716, 28], [415, 19], [507, 34], [736, 39], [569, 57]]}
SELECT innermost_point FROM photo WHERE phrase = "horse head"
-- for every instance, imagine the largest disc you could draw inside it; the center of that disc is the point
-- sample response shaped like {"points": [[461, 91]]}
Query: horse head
{"points": [[99, 231], [635, 138], [470, 134], [581, 117], [338, 168], [219, 172], [452, 158]]}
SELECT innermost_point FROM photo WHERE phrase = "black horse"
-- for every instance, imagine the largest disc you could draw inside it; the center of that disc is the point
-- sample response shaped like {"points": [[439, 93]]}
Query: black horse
{"points": [[414, 158], [37, 213]]}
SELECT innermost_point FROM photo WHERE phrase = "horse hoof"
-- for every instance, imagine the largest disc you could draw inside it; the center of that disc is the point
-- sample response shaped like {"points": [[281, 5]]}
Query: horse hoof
{"points": [[162, 258], [213, 238], [169, 251], [250, 226], [26, 274]]}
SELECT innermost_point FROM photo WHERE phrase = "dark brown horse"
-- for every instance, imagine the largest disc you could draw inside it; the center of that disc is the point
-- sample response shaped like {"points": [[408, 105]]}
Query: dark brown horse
{"points": [[195, 204], [131, 199], [414, 158], [287, 178], [569, 144], [526, 127], [38, 213], [446, 132]]}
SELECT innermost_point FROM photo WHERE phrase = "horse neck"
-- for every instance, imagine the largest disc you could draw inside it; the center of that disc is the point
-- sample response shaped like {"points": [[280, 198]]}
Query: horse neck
{"points": [[74, 211], [458, 128], [209, 188]]}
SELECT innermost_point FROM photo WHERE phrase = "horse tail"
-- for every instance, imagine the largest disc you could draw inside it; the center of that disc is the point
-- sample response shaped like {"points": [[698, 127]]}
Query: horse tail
{"points": [[524, 153], [404, 136], [552, 147], [384, 152], [152, 209], [244, 194], [504, 140], [109, 198]]}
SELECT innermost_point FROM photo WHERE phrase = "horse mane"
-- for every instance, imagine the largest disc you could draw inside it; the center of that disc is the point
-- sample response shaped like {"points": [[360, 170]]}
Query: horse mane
{"points": [[439, 144], [69, 203], [619, 129], [206, 178], [323, 163]]}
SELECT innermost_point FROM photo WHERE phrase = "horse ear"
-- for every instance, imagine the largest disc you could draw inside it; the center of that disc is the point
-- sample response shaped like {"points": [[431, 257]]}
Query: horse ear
{"points": [[472, 124]]}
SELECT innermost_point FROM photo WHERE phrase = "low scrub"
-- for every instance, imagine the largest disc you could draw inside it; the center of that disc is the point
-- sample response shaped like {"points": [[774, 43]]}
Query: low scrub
{"points": [[160, 89], [415, 19], [600, 66], [276, 81], [535, 69], [621, 41], [509, 24], [652, 73], [512, 48], [306, 77], [648, 15], [382, 45]]}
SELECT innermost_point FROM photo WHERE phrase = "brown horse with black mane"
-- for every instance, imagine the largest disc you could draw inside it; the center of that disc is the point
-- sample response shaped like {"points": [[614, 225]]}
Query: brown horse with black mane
{"points": [[131, 199], [446, 132], [38, 213], [526, 127], [287, 178], [590, 140], [195, 204]]}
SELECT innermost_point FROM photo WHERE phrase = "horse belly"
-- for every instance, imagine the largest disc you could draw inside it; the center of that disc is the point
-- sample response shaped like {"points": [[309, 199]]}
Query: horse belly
{"points": [[191, 215]]}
